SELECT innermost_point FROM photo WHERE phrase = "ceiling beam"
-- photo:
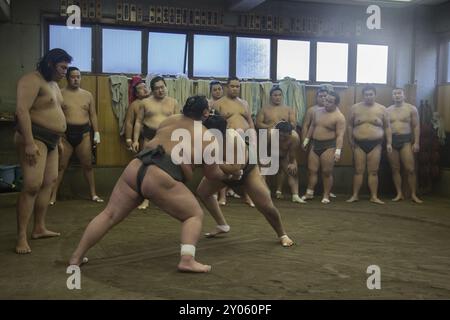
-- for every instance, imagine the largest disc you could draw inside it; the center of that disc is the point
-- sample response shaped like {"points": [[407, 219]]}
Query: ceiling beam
{"points": [[244, 5]]}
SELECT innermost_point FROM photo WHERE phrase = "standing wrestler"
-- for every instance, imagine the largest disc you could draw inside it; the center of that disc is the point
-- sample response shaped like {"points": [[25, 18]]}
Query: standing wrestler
{"points": [[40, 124], [152, 112], [237, 113], [327, 130], [153, 175], [79, 109], [321, 97], [405, 126], [267, 118], [140, 92], [368, 124], [216, 92]]}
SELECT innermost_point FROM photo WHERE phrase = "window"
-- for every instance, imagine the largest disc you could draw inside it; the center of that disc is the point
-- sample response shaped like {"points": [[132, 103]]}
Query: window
{"points": [[122, 51], [211, 56], [371, 64], [166, 53], [332, 62], [293, 59], [77, 43], [253, 58]]}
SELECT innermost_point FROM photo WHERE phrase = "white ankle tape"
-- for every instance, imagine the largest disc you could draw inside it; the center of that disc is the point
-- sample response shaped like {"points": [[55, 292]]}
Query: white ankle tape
{"points": [[223, 227], [309, 192], [187, 250], [284, 237]]}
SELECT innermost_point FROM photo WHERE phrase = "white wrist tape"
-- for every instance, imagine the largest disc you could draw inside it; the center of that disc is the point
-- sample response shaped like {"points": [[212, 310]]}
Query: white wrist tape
{"points": [[129, 140], [187, 250], [337, 152], [305, 142]]}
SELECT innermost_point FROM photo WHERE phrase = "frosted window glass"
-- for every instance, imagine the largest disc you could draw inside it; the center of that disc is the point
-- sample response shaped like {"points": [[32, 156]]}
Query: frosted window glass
{"points": [[332, 62], [293, 59], [166, 53], [122, 51], [371, 64], [77, 43], [211, 56], [253, 58]]}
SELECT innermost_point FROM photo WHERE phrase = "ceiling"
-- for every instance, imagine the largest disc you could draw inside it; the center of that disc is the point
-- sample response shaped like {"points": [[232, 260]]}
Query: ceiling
{"points": [[378, 2], [247, 5]]}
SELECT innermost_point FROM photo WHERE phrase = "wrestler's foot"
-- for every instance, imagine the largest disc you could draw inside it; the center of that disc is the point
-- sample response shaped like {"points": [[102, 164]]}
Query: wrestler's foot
{"points": [[286, 241], [144, 205], [75, 261], [353, 199], [41, 234], [97, 199], [52, 199], [231, 193], [278, 194], [188, 264], [250, 203], [297, 199], [307, 196], [325, 201], [376, 200], [22, 246], [415, 199], [332, 195], [222, 201], [218, 230]]}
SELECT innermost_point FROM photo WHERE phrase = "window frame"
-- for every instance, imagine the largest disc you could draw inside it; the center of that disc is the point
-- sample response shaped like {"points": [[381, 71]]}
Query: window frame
{"points": [[349, 62], [192, 44], [253, 36], [389, 66], [187, 54], [54, 22], [100, 43], [276, 39]]}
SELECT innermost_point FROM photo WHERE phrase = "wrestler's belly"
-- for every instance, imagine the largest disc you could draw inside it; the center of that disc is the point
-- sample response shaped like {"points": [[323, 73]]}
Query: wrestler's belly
{"points": [[77, 117], [367, 131], [154, 121], [400, 128], [321, 133], [52, 119], [238, 122]]}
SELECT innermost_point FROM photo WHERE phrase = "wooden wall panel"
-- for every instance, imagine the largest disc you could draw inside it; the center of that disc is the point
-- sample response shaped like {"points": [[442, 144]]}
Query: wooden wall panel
{"points": [[112, 150], [384, 94], [88, 83], [443, 105]]}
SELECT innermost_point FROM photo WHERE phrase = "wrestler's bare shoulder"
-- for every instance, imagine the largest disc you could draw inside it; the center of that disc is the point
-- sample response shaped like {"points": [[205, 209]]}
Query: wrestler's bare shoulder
{"points": [[31, 77]]}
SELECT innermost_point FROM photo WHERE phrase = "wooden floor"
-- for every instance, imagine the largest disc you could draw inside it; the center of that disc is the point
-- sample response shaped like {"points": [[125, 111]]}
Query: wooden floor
{"points": [[335, 245]]}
